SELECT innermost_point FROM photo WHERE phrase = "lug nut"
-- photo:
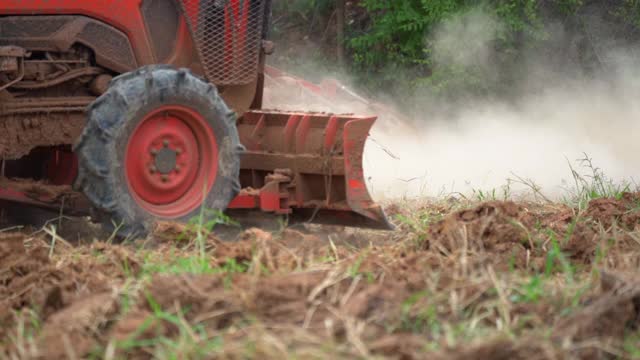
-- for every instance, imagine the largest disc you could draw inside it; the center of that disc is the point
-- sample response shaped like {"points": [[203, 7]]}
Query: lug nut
{"points": [[153, 152], [165, 143], [179, 151], [165, 178], [152, 169], [177, 168]]}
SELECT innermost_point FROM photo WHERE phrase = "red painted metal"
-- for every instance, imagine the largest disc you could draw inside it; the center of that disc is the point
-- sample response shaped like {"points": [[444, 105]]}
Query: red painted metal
{"points": [[61, 167], [290, 130], [245, 200], [309, 161], [236, 20], [330, 135], [301, 134], [123, 15], [272, 197], [355, 135], [185, 133], [10, 194], [228, 37], [44, 196]]}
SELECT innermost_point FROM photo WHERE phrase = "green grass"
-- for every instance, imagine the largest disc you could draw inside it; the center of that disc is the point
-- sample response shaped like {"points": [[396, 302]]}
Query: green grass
{"points": [[632, 344], [530, 291], [503, 193], [190, 264]]}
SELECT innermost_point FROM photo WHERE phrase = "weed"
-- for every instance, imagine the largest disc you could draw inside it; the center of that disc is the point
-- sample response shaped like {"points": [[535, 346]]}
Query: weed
{"points": [[555, 257], [426, 320], [203, 224], [632, 344], [531, 292], [594, 184], [504, 193], [192, 341], [419, 223], [181, 265]]}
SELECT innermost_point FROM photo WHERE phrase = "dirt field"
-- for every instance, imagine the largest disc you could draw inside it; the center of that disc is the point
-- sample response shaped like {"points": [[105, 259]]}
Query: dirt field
{"points": [[457, 280]]}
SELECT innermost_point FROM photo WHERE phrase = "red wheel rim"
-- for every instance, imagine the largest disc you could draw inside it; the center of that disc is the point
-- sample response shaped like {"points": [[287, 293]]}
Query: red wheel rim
{"points": [[171, 161]]}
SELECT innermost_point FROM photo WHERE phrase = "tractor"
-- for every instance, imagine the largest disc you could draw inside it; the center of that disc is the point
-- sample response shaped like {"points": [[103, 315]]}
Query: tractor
{"points": [[136, 111]]}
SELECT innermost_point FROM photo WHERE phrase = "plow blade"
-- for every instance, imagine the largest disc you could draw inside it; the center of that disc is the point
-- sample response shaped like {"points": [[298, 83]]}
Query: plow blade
{"points": [[307, 166]]}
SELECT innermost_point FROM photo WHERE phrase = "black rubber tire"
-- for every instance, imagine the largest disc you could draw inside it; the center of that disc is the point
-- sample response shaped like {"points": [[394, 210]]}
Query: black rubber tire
{"points": [[111, 121]]}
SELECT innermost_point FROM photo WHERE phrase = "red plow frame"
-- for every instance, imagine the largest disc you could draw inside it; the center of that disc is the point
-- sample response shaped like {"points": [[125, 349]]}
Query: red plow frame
{"points": [[307, 165]]}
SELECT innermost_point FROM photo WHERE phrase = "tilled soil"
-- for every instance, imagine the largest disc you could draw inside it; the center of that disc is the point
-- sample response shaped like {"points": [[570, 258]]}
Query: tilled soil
{"points": [[495, 280]]}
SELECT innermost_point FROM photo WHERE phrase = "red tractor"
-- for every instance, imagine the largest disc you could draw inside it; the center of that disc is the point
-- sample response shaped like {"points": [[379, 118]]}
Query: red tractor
{"points": [[138, 110]]}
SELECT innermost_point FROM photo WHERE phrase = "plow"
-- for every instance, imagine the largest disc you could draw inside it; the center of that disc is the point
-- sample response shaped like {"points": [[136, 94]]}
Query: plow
{"points": [[146, 110]]}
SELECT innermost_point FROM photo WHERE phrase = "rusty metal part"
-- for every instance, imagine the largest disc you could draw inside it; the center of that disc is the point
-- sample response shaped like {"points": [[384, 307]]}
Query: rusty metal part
{"points": [[162, 20], [70, 75], [239, 97], [17, 79], [41, 195], [268, 47], [10, 57], [45, 105], [12, 60], [297, 161], [8, 64], [59, 33], [100, 84], [13, 51]]}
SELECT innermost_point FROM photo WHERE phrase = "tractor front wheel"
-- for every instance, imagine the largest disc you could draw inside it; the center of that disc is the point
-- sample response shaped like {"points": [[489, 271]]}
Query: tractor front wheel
{"points": [[159, 144]]}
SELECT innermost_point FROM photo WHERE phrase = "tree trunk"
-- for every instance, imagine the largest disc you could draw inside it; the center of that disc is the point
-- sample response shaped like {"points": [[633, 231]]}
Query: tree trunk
{"points": [[340, 18]]}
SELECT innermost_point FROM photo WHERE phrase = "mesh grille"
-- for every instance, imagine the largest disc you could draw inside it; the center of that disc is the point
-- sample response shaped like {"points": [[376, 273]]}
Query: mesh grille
{"points": [[228, 35]]}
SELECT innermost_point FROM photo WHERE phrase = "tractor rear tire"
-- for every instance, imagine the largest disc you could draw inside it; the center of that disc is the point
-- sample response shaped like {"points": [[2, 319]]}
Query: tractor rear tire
{"points": [[160, 144]]}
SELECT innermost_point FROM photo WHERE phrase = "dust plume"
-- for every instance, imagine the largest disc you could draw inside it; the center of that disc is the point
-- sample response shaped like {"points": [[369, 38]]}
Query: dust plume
{"points": [[484, 146], [544, 124]]}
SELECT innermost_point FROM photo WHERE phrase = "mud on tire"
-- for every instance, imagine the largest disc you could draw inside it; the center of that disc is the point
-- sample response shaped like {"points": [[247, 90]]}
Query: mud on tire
{"points": [[115, 116]]}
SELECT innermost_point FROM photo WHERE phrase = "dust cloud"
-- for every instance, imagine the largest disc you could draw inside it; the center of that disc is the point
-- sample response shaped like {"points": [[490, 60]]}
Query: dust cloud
{"points": [[548, 123], [486, 145]]}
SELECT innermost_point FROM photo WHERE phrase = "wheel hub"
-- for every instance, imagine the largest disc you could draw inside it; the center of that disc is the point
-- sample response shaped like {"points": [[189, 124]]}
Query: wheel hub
{"points": [[169, 158], [166, 160]]}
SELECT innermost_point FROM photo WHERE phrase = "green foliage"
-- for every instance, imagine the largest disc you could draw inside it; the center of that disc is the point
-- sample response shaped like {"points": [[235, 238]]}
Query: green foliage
{"points": [[632, 345], [628, 12], [307, 13], [398, 29], [395, 45], [399, 46], [404, 35]]}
